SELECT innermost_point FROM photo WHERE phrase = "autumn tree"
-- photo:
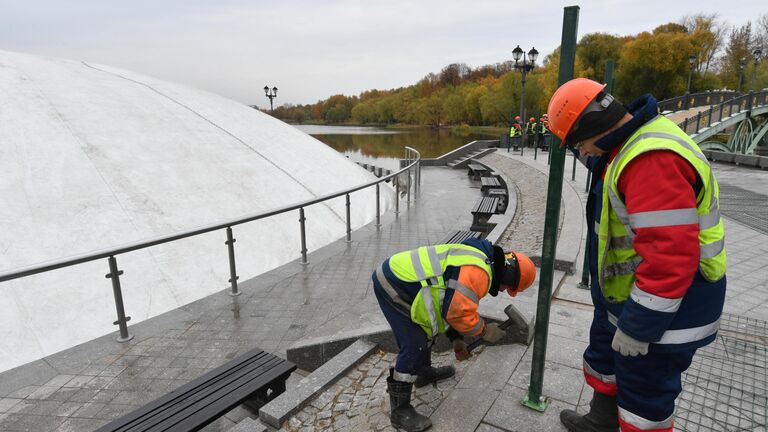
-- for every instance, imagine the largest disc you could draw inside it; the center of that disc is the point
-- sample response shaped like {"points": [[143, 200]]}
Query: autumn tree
{"points": [[594, 50], [655, 63]]}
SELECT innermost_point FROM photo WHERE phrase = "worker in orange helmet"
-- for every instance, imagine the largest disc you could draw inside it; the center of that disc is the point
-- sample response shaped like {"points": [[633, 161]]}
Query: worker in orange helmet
{"points": [[530, 131], [515, 134], [656, 255], [411, 286]]}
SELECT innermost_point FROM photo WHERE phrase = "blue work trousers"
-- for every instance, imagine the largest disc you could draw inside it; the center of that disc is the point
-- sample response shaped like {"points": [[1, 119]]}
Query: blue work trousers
{"points": [[414, 347], [648, 384]]}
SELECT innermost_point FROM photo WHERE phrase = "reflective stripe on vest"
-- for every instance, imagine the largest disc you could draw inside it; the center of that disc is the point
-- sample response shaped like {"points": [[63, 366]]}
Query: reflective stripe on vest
{"points": [[617, 259], [426, 266]]}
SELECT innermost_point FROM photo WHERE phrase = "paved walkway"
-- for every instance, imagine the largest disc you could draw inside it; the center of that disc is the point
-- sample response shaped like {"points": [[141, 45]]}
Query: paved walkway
{"points": [[83, 387]]}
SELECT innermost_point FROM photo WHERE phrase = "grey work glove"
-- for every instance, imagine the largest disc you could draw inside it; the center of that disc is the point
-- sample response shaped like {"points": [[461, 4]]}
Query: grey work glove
{"points": [[628, 346], [493, 333]]}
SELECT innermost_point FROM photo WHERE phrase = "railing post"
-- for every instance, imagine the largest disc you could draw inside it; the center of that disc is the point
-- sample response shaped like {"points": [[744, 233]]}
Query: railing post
{"points": [[573, 173], [378, 206], [303, 229], [685, 125], [720, 117], [584, 284], [122, 320], [589, 179], [233, 277], [698, 121], [349, 223], [408, 190], [396, 179]]}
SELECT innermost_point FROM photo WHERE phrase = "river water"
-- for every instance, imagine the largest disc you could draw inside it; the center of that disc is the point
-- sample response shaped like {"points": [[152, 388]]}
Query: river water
{"points": [[383, 147]]}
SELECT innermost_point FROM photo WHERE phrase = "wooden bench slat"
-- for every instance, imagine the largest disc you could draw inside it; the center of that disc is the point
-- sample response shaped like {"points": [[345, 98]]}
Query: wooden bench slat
{"points": [[206, 410], [460, 235], [179, 395], [199, 402]]}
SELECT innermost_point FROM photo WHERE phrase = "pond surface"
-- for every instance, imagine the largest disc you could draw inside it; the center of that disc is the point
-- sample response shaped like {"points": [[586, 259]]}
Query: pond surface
{"points": [[383, 147]]}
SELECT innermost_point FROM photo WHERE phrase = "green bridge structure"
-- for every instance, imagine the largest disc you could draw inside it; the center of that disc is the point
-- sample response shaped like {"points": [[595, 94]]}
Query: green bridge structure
{"points": [[728, 126]]}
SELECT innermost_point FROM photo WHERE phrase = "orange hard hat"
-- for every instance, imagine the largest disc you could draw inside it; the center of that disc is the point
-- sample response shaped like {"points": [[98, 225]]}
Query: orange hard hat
{"points": [[517, 118], [532, 119], [519, 273], [569, 102]]}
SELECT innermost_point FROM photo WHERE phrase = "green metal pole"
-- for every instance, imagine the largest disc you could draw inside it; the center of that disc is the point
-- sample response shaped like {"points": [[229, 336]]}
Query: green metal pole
{"points": [[534, 399], [609, 75]]}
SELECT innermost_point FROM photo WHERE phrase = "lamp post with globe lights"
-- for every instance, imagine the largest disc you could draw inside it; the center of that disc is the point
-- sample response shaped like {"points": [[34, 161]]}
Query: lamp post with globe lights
{"points": [[524, 66], [271, 94]]}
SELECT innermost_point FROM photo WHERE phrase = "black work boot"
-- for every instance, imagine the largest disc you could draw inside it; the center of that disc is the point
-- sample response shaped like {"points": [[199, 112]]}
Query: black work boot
{"points": [[402, 414], [433, 374], [603, 416]]}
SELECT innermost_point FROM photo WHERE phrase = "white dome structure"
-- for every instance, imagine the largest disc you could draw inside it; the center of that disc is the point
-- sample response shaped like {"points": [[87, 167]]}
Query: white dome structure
{"points": [[94, 157]]}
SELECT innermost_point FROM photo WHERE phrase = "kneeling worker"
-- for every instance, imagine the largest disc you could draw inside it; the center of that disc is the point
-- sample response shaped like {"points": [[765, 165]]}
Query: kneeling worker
{"points": [[436, 289]]}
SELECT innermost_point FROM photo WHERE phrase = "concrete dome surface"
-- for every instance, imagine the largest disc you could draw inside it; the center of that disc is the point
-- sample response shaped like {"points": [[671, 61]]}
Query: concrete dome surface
{"points": [[94, 157]]}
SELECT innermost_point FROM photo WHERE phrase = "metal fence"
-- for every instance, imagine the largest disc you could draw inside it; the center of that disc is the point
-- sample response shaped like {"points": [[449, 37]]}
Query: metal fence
{"points": [[687, 101], [716, 113], [412, 170]]}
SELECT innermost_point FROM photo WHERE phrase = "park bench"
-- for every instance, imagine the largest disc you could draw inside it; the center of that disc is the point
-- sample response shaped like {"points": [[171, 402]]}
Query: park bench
{"points": [[489, 183], [483, 209], [255, 376], [476, 171], [502, 195], [459, 236]]}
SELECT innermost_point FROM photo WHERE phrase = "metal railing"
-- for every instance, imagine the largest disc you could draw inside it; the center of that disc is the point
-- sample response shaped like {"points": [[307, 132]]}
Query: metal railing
{"points": [[412, 162], [687, 101], [716, 113]]}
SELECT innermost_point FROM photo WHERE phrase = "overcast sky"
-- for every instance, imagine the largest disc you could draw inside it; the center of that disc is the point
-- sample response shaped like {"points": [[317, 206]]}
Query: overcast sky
{"points": [[313, 49]]}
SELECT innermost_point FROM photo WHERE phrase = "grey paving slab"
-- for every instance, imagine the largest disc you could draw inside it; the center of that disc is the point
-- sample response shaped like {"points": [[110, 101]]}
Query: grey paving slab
{"points": [[463, 409], [493, 367], [509, 414]]}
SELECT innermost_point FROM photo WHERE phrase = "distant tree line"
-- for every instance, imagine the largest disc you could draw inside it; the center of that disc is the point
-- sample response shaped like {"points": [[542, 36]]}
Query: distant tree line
{"points": [[654, 62]]}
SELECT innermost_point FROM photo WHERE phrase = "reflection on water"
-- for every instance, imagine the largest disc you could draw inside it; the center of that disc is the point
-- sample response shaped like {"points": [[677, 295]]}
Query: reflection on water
{"points": [[382, 147]]}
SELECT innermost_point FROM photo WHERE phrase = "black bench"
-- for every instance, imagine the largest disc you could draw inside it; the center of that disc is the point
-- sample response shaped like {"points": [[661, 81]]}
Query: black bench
{"points": [[502, 195], [459, 236], [476, 171], [483, 209], [489, 183], [255, 376]]}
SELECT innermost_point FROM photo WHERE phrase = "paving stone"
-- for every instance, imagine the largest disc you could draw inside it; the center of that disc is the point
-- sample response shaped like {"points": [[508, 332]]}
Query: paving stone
{"points": [[492, 369], [509, 414], [249, 425], [560, 382], [463, 409], [282, 407]]}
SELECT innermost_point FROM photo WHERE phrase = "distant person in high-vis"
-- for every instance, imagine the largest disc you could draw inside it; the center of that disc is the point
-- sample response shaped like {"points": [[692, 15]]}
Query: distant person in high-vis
{"points": [[437, 289], [657, 255], [515, 133]]}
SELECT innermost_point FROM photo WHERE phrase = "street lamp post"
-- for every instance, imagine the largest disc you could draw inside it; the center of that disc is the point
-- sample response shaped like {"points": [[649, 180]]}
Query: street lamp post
{"points": [[742, 65], [524, 67], [756, 53], [271, 94], [691, 61]]}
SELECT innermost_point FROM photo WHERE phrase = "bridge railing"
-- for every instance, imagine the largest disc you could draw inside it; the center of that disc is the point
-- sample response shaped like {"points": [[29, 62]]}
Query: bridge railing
{"points": [[716, 113], [688, 101], [412, 161]]}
